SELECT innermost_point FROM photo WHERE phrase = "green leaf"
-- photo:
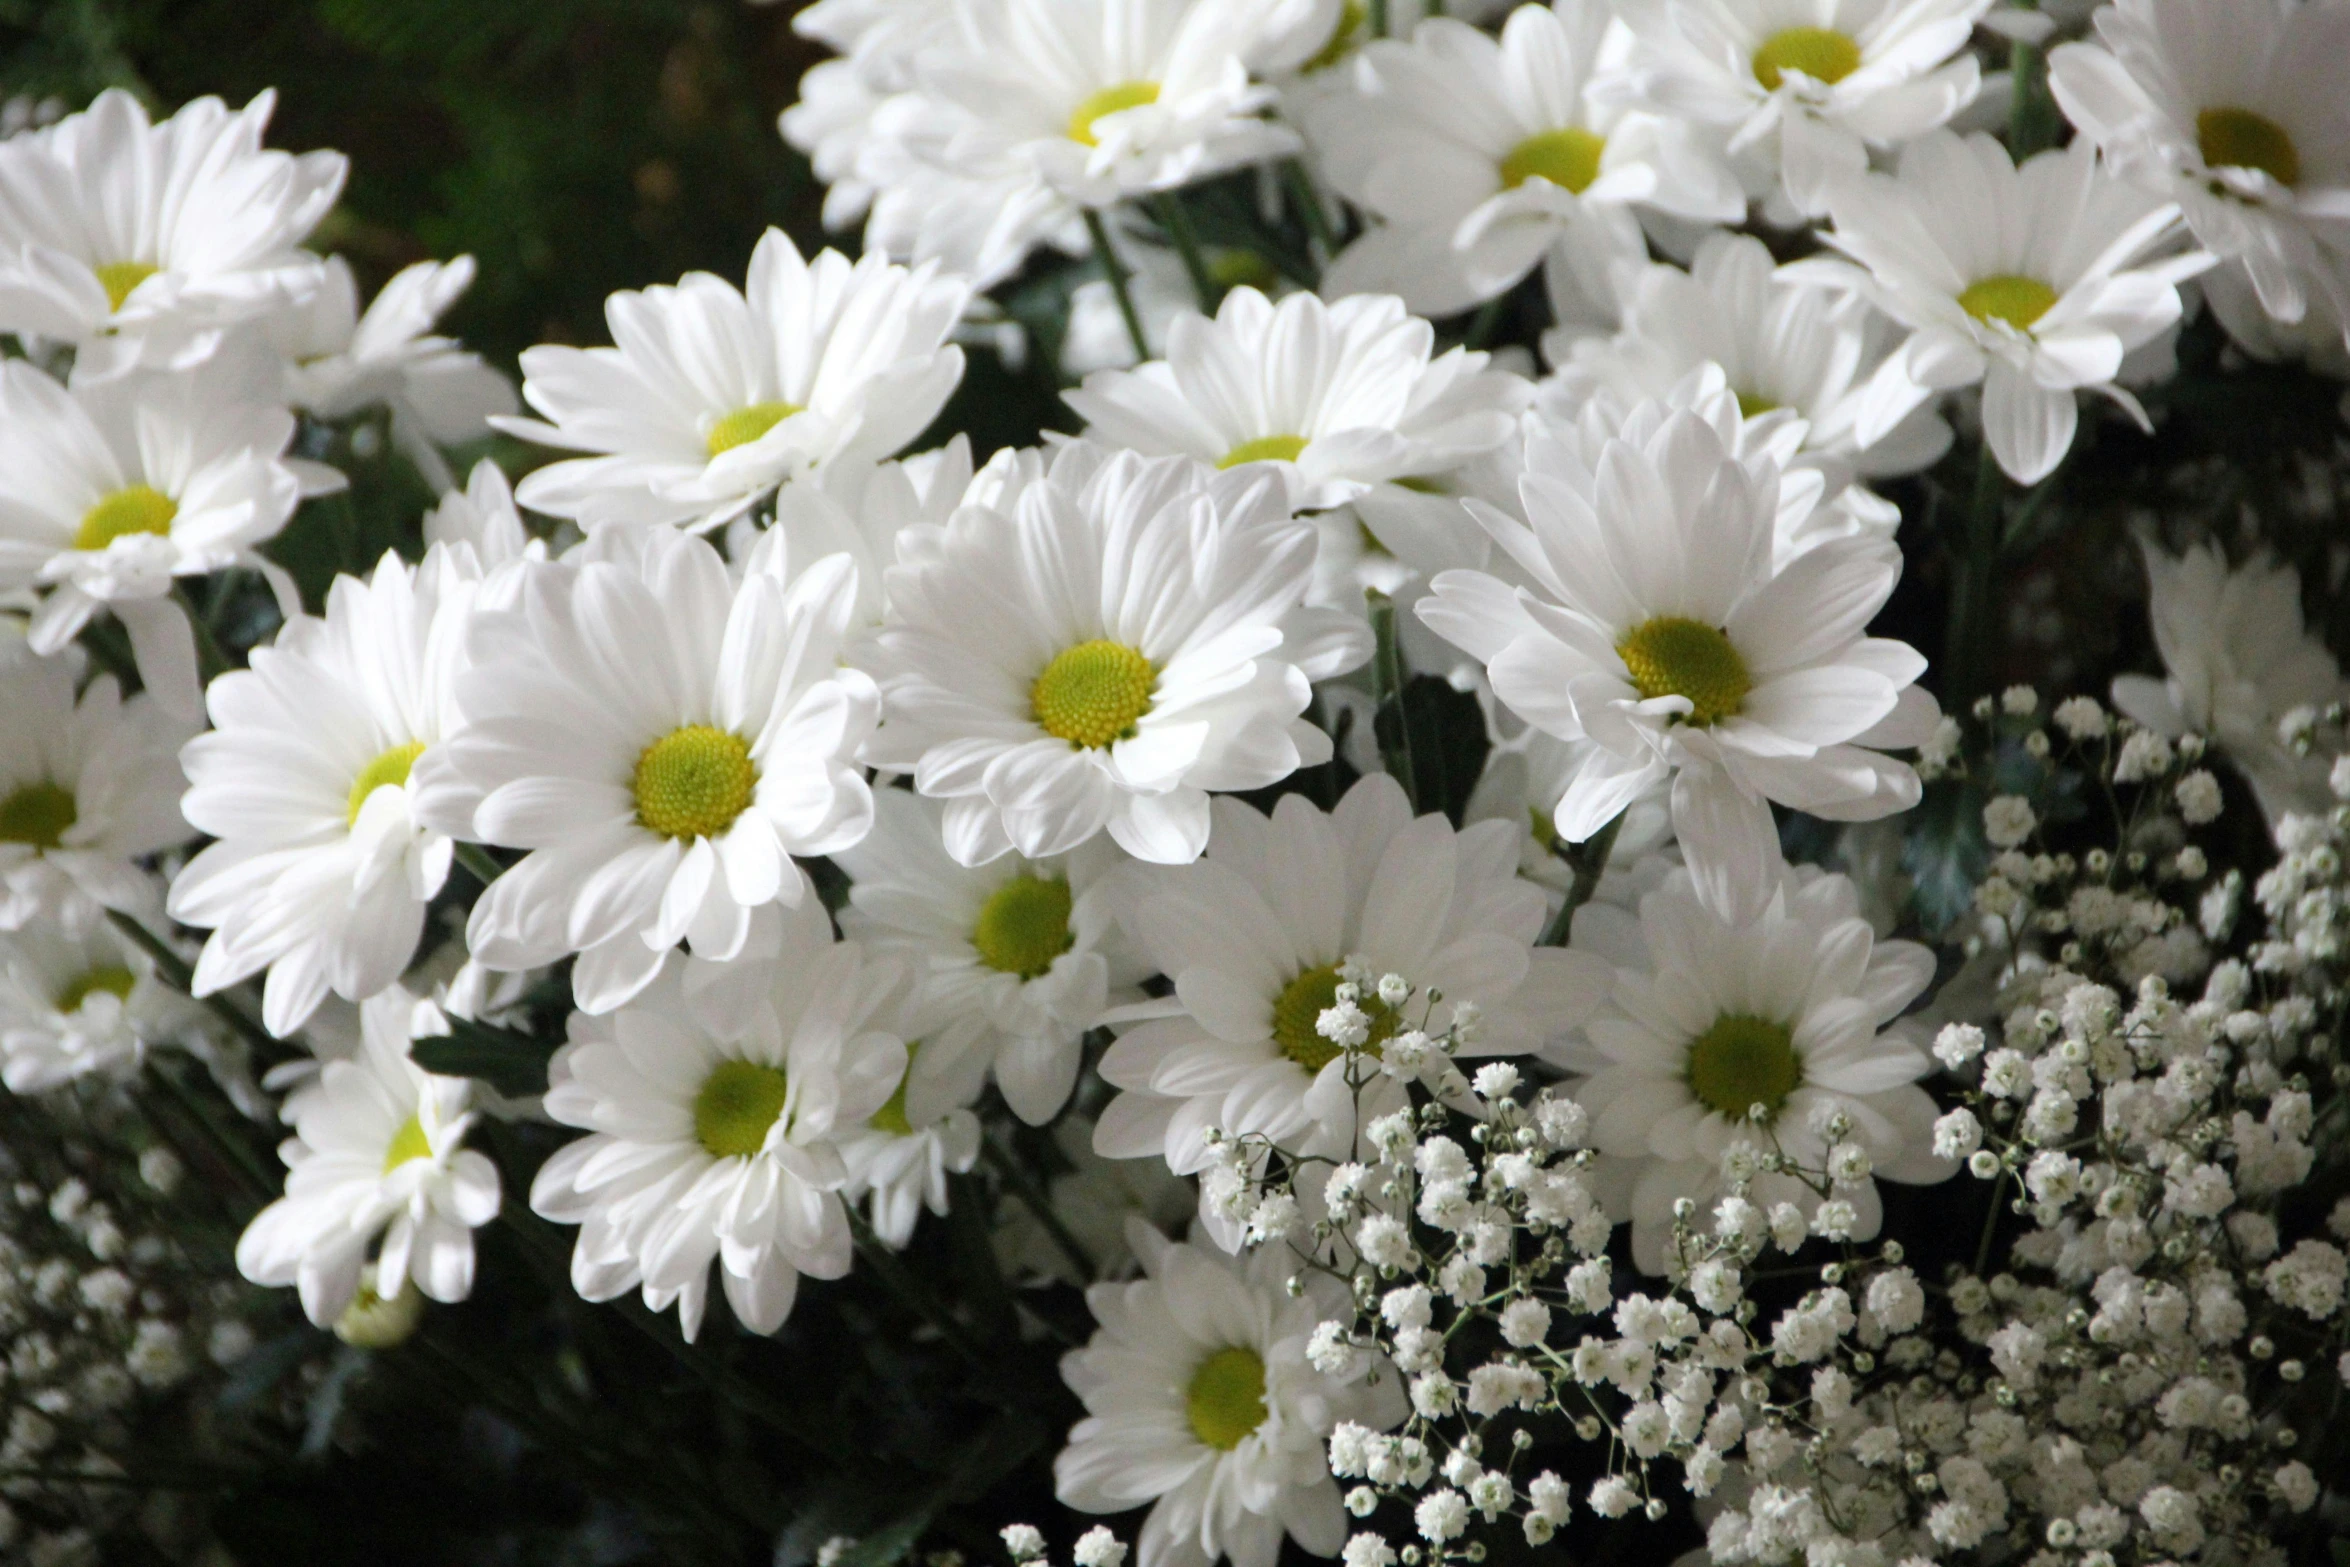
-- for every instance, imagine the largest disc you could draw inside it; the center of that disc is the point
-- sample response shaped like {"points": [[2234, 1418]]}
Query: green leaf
{"points": [[514, 1064], [1946, 853]]}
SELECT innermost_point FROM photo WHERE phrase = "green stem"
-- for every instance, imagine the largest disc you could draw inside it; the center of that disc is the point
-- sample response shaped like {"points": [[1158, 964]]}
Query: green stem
{"points": [[1032, 1196], [1309, 206], [1590, 861], [1966, 655], [175, 969], [1487, 320], [910, 1291], [1115, 270], [212, 660], [240, 1158], [2033, 122], [1177, 221], [1990, 1225], [478, 863], [1378, 13], [1387, 683]]}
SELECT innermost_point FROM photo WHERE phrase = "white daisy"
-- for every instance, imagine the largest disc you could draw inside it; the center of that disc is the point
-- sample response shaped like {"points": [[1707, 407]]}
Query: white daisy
{"points": [[377, 1152], [2236, 112], [1095, 335], [663, 741], [1125, 637], [714, 397], [75, 1004], [899, 1160], [1525, 773], [1476, 155], [2034, 281], [136, 241], [1655, 616], [1708, 1019], [482, 517], [860, 509], [87, 789], [2236, 660], [716, 1104], [1253, 937], [1805, 88], [1093, 1197], [321, 871], [1012, 962], [1200, 1400]]}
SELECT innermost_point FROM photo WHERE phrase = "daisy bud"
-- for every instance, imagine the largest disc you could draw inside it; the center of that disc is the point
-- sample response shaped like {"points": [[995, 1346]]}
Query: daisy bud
{"points": [[1362, 1501]]}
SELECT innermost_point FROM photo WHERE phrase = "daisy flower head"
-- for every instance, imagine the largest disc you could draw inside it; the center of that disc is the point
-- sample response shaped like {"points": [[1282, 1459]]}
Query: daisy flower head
{"points": [[714, 396], [661, 740], [321, 871], [1719, 1033], [1478, 154], [1013, 961], [1122, 637], [1652, 612], [89, 786], [2236, 659], [1200, 1400], [481, 518], [2235, 112], [1254, 936], [377, 1162], [860, 510], [2035, 282], [1525, 773], [1804, 89], [898, 1161], [137, 242], [716, 1104], [72, 1004]]}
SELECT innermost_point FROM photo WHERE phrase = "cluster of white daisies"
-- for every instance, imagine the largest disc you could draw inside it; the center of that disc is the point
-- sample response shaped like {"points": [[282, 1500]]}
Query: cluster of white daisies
{"points": [[1013, 702]]}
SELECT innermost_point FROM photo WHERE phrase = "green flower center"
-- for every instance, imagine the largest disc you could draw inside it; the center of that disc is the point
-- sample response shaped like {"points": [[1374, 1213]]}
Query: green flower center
{"points": [[2018, 301], [389, 768], [118, 278], [1568, 158], [746, 425], [1265, 448], [2240, 139], [115, 982], [1673, 655], [1093, 693], [138, 509], [40, 814], [693, 782], [891, 1117], [1301, 1005], [1753, 405], [1743, 1061], [739, 1102], [1353, 17], [1024, 925], [408, 1143], [1544, 828], [1821, 53], [1110, 100], [1226, 1399], [1232, 268]]}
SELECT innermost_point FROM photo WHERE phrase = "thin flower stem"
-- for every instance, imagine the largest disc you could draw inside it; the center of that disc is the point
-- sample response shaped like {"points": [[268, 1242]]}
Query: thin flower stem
{"points": [[910, 1292], [1378, 15], [1387, 683], [1023, 1186], [1309, 205], [212, 660], [175, 969], [1590, 861], [1114, 268], [1487, 320], [1966, 657], [240, 1158], [478, 863], [1990, 1224], [1177, 221]]}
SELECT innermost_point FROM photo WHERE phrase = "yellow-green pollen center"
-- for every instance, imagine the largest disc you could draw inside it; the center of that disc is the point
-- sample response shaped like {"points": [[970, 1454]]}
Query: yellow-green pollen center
{"points": [[118, 278], [891, 1117], [1265, 448], [1753, 405], [1024, 925], [2240, 139], [746, 425], [1353, 17], [693, 782], [1743, 1061], [39, 814], [1299, 1008], [408, 1143], [739, 1102], [1821, 53], [2018, 301], [112, 981], [1093, 693], [1110, 100], [137, 509], [1226, 1399], [1568, 158], [1673, 655], [389, 768]]}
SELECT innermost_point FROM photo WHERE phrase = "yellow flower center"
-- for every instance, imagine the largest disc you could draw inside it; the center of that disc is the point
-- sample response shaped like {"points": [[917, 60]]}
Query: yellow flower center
{"points": [[137, 509], [1753, 405], [2018, 301], [1093, 693], [1024, 925], [1743, 1061], [1544, 828], [2240, 139], [1265, 448], [891, 1117], [1226, 1399], [693, 782], [115, 982], [1353, 17], [1110, 100], [739, 1102], [389, 768], [746, 425], [1821, 53], [408, 1143], [1242, 269], [1299, 1008], [1568, 158], [118, 278], [39, 814], [1673, 655]]}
